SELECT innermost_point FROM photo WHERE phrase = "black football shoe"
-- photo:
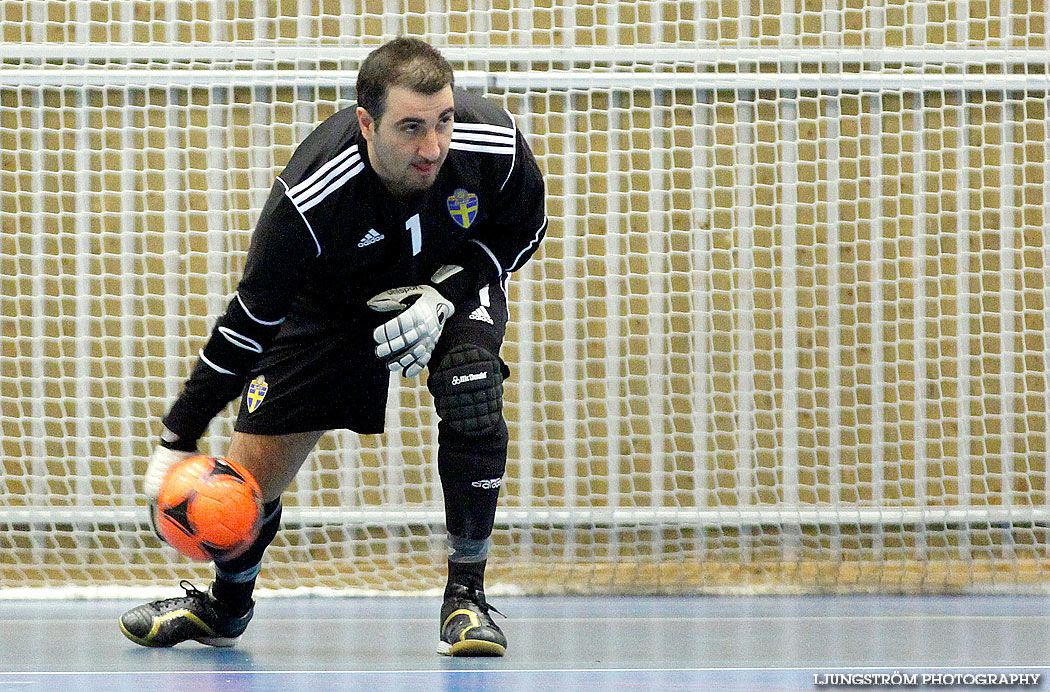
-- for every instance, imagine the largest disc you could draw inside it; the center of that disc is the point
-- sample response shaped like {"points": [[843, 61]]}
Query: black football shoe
{"points": [[195, 616], [466, 627]]}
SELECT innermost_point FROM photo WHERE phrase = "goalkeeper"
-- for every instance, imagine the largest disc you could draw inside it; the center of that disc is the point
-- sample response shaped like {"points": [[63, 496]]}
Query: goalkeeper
{"points": [[385, 245]]}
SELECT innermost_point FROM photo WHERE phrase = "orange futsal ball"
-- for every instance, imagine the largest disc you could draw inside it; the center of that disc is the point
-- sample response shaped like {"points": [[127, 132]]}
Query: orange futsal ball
{"points": [[209, 508]]}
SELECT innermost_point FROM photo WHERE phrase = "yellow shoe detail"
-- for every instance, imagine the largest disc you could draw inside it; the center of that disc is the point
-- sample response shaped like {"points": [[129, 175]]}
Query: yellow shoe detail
{"points": [[159, 622], [471, 615], [466, 646]]}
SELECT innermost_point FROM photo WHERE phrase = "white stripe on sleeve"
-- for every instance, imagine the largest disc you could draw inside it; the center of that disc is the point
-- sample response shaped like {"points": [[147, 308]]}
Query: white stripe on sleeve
{"points": [[253, 317], [462, 146], [319, 187], [303, 184], [240, 340], [534, 243], [482, 127], [488, 252], [212, 365], [332, 188], [479, 137], [303, 216]]}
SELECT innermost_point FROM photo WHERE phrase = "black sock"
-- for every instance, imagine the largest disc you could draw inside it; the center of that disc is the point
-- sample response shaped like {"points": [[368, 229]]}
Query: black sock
{"points": [[234, 597], [469, 574], [235, 579]]}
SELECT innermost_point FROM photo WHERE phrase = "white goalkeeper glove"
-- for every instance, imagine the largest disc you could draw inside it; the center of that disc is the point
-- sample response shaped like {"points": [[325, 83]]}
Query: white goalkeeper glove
{"points": [[163, 459], [405, 342]]}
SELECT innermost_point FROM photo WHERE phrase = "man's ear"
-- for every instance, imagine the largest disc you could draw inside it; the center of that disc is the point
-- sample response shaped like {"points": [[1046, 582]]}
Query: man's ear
{"points": [[367, 123]]}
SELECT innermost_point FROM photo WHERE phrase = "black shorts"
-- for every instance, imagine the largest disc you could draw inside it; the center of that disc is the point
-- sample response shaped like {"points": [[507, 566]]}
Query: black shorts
{"points": [[318, 375]]}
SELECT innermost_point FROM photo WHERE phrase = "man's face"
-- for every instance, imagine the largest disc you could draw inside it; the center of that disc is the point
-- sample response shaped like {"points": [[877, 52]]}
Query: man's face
{"points": [[410, 142]]}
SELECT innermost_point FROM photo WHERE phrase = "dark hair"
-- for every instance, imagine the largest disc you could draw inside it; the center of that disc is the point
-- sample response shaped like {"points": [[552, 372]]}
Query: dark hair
{"points": [[406, 62]]}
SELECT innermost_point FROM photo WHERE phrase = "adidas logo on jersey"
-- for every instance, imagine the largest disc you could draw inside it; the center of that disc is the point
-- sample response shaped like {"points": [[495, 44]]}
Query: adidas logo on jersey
{"points": [[372, 236], [481, 315]]}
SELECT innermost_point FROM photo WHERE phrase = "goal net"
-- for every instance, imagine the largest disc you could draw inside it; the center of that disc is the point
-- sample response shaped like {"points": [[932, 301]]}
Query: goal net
{"points": [[788, 332]]}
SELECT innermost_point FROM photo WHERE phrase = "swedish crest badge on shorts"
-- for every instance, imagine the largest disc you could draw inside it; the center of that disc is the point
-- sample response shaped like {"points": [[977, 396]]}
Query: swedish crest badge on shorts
{"points": [[256, 393], [463, 207]]}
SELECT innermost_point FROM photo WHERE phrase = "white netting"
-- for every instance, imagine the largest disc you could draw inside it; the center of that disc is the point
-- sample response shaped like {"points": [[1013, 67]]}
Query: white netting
{"points": [[789, 328]]}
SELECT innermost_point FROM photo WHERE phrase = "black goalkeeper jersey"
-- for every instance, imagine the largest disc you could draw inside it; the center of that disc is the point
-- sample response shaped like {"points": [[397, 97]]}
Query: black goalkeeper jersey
{"points": [[331, 236]]}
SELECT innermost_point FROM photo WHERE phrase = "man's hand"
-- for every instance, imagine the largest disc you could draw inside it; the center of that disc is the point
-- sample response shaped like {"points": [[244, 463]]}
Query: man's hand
{"points": [[405, 342], [164, 457], [168, 453]]}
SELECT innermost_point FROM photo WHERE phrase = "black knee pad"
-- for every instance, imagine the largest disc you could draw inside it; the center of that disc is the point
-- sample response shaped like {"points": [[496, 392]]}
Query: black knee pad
{"points": [[468, 391]]}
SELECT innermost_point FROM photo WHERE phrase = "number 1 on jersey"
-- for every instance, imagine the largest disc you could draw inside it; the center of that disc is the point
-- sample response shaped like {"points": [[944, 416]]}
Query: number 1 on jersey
{"points": [[414, 226]]}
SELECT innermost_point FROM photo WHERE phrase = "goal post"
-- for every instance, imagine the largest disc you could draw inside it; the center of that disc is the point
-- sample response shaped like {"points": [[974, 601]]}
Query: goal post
{"points": [[788, 330]]}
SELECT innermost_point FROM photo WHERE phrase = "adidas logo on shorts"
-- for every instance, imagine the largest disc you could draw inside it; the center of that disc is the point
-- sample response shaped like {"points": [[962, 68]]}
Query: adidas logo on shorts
{"points": [[372, 236], [481, 315], [490, 484]]}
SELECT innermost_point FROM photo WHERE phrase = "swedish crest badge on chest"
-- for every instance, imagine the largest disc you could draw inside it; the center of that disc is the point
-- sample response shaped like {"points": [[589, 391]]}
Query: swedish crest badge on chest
{"points": [[463, 207]]}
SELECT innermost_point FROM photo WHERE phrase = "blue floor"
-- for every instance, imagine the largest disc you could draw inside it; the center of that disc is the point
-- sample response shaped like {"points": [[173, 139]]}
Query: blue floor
{"points": [[702, 643]]}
